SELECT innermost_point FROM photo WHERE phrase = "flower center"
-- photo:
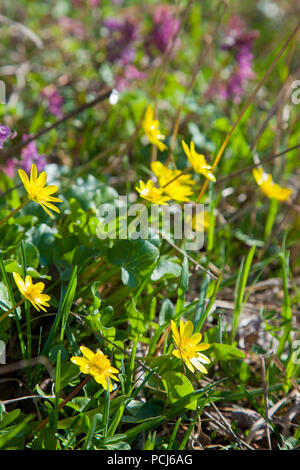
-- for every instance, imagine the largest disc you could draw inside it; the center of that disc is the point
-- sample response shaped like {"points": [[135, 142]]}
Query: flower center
{"points": [[99, 365]]}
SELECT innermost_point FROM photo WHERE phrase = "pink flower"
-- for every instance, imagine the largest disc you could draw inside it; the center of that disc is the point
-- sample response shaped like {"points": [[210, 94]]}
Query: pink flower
{"points": [[130, 74], [164, 28], [55, 100], [72, 27], [239, 41], [30, 155], [10, 168]]}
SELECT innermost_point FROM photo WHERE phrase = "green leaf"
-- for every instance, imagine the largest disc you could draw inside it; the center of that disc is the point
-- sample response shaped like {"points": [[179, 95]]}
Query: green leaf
{"points": [[42, 236], [96, 297], [8, 418], [165, 269], [97, 325], [177, 386], [67, 298], [135, 317], [31, 255], [226, 352], [135, 257], [153, 407], [184, 278], [166, 312], [45, 440]]}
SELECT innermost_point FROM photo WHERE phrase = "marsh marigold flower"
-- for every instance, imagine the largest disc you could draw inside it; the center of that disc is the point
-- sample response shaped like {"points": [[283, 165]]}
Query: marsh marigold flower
{"points": [[98, 365], [150, 126], [188, 347], [198, 161], [180, 188], [32, 292], [151, 193], [37, 191], [268, 187]]}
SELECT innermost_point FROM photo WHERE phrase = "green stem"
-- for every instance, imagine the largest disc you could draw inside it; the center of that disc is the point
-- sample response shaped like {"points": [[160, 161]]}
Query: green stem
{"points": [[13, 212]]}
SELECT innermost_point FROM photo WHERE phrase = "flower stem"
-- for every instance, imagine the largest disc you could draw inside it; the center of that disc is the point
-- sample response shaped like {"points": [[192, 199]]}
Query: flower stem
{"points": [[11, 310], [14, 212], [66, 400]]}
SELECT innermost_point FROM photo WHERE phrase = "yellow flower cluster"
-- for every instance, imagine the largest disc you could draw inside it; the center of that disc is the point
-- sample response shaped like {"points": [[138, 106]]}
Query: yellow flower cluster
{"points": [[173, 184]]}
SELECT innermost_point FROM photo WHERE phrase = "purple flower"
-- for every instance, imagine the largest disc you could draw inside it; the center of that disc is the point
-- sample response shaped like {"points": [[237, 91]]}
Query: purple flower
{"points": [[238, 40], [165, 27], [30, 155], [94, 3], [238, 35], [5, 134], [122, 35], [55, 100], [130, 74]]}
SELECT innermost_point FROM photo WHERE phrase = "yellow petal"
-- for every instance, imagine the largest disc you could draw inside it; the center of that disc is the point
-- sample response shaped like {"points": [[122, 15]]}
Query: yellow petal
{"points": [[33, 174], [196, 338], [188, 329], [46, 210], [28, 281], [24, 177], [50, 189], [186, 149], [18, 280], [41, 180], [87, 353], [79, 361], [51, 206]]}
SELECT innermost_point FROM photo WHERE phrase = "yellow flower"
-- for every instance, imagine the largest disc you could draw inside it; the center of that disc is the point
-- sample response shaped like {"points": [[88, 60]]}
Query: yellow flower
{"points": [[197, 223], [98, 365], [268, 187], [151, 193], [188, 347], [37, 191], [32, 292], [150, 126], [198, 161], [180, 188]]}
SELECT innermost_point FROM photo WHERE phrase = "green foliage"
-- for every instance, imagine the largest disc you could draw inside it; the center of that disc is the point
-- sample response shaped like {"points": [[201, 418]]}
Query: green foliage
{"points": [[118, 295]]}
